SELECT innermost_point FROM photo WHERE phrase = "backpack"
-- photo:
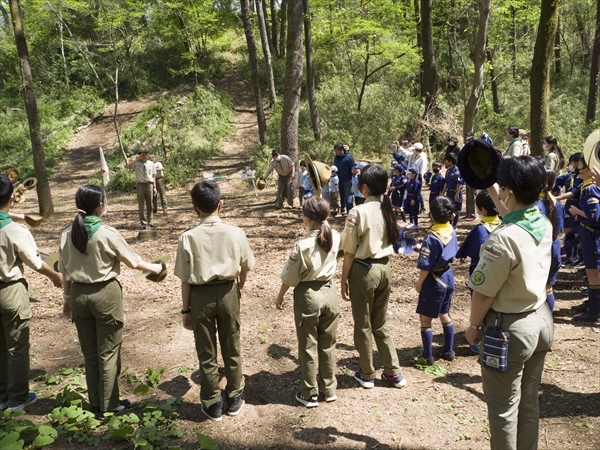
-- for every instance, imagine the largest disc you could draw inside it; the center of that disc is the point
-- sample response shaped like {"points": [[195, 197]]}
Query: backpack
{"points": [[486, 137]]}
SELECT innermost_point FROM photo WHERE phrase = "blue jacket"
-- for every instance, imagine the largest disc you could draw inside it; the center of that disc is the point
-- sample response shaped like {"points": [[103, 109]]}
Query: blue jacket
{"points": [[344, 164], [436, 254]]}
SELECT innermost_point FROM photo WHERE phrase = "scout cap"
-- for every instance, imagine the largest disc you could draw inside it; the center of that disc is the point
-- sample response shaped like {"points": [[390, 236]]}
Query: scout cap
{"points": [[333, 168], [418, 146], [361, 165], [478, 163], [413, 170]]}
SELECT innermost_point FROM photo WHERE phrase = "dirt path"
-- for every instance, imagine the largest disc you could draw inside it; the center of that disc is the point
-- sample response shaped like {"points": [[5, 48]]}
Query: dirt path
{"points": [[431, 412]]}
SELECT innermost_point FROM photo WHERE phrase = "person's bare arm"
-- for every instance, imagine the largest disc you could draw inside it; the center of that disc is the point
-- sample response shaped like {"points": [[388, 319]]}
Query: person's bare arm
{"points": [[347, 265], [480, 305], [131, 163]]}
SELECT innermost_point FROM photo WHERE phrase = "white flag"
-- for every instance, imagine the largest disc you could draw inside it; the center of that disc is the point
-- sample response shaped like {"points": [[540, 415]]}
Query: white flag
{"points": [[104, 167]]}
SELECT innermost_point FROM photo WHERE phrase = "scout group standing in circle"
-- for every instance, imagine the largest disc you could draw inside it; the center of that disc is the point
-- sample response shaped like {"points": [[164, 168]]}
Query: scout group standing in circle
{"points": [[511, 299]]}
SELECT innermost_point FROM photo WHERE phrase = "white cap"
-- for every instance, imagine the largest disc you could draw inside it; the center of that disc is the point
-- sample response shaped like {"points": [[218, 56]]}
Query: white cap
{"points": [[333, 169], [418, 146]]}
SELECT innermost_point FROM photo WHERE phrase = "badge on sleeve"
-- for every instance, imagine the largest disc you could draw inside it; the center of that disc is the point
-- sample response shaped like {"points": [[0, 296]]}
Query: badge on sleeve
{"points": [[493, 251], [477, 278]]}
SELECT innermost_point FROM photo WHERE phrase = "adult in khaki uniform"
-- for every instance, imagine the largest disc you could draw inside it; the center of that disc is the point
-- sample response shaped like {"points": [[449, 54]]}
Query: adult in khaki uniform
{"points": [[509, 288], [145, 177], [515, 148], [367, 242], [16, 247], [310, 270], [90, 259], [161, 191], [213, 260], [284, 167]]}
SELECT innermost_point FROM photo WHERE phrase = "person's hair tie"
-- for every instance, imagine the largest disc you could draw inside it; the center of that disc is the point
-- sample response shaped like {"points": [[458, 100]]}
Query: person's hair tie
{"points": [[81, 211]]}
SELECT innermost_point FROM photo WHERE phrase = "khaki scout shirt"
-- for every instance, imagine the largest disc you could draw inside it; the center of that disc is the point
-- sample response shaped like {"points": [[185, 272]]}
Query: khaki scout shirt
{"points": [[106, 250], [17, 247], [283, 167], [147, 177], [212, 251], [365, 234], [513, 269], [309, 262]]}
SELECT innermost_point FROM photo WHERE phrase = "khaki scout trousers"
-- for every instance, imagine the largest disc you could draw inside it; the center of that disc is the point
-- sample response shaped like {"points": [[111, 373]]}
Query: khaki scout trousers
{"points": [[216, 309], [285, 189], [512, 397], [369, 293], [316, 314], [97, 311], [15, 313], [162, 193], [145, 192]]}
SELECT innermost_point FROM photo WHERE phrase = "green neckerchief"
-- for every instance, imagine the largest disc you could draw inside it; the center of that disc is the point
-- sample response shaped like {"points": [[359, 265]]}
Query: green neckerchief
{"points": [[490, 222], [510, 145], [91, 224], [531, 220], [5, 219], [443, 231]]}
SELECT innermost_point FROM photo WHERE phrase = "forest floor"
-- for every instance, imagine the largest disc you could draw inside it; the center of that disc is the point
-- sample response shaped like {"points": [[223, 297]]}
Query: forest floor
{"points": [[431, 412]]}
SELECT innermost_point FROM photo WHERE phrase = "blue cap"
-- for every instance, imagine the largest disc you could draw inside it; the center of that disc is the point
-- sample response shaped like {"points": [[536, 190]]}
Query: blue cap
{"points": [[398, 167], [413, 170], [361, 166]]}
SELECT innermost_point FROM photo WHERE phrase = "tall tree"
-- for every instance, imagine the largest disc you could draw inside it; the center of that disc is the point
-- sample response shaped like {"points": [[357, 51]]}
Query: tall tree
{"points": [[539, 82], [282, 39], [429, 84], [293, 81], [37, 145], [264, 39], [248, 31], [592, 102], [479, 54], [274, 27], [310, 73]]}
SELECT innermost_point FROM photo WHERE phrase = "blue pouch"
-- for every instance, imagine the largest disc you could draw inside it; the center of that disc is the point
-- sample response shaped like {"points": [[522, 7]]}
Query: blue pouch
{"points": [[495, 349]]}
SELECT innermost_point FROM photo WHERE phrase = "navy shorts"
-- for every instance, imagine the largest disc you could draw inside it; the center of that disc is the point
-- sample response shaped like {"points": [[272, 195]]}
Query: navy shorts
{"points": [[590, 247], [436, 294]]}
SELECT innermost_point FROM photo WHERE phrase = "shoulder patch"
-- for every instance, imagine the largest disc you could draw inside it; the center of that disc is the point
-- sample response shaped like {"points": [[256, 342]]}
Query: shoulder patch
{"points": [[493, 251], [425, 251], [593, 200], [351, 221], [477, 278], [293, 258]]}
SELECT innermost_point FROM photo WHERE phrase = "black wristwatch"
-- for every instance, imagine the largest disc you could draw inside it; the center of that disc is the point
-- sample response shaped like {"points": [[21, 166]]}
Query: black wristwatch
{"points": [[186, 311]]}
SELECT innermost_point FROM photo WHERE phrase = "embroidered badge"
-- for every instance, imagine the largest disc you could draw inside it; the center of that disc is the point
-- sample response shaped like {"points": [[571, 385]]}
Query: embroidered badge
{"points": [[351, 221], [493, 251], [293, 258], [425, 251], [477, 278], [592, 201]]}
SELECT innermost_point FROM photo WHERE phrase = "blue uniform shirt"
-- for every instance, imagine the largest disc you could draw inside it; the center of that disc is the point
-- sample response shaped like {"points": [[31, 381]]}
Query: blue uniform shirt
{"points": [[413, 189], [589, 203], [439, 248], [437, 184], [454, 182], [344, 164]]}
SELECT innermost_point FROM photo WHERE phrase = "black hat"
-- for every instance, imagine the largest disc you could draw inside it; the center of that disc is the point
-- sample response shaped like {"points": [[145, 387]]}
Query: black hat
{"points": [[453, 139], [274, 152], [478, 163]]}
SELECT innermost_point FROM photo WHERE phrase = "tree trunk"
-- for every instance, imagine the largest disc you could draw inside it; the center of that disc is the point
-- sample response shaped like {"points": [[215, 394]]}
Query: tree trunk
{"points": [[494, 83], [115, 114], [62, 49], [274, 27], [583, 36], [37, 145], [267, 24], [479, 54], [540, 75], [4, 14], [557, 55], [594, 69], [293, 81], [260, 112], [513, 40], [264, 39], [429, 74], [310, 74], [282, 39]]}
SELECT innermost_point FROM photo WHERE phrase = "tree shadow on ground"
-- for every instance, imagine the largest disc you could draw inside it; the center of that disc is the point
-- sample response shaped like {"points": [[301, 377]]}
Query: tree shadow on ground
{"points": [[329, 435], [176, 387]]}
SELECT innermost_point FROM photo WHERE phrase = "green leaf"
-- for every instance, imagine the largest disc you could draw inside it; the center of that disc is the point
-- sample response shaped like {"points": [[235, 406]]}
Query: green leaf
{"points": [[174, 432], [589, 425], [47, 430], [11, 442], [207, 443], [67, 371], [578, 424], [141, 389], [42, 441], [53, 379]]}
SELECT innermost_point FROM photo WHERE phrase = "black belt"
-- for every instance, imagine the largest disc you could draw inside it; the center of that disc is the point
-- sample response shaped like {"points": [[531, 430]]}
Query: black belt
{"points": [[96, 282], [368, 262], [316, 283], [441, 269], [513, 314], [4, 284], [215, 283]]}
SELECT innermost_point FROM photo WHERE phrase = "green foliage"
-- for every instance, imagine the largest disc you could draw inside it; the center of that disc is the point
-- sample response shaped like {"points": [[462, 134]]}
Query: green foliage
{"points": [[206, 443], [434, 369]]}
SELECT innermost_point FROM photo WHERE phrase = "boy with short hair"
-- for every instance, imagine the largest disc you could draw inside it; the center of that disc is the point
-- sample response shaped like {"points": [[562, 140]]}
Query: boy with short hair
{"points": [[334, 192], [17, 247], [213, 259], [411, 202]]}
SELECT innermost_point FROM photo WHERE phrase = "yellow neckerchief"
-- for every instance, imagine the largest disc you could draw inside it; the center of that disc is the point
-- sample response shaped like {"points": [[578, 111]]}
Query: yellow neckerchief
{"points": [[585, 184], [490, 222], [443, 231], [550, 196]]}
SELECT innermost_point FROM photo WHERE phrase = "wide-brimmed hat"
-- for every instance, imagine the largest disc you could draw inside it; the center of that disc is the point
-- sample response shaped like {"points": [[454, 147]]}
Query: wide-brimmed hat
{"points": [[591, 149], [261, 183], [319, 173], [156, 277], [478, 163]]}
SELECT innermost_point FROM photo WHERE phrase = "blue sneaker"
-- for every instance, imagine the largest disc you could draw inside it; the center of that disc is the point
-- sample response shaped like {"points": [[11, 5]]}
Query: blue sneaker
{"points": [[367, 384], [31, 399], [397, 380], [3, 404], [475, 347]]}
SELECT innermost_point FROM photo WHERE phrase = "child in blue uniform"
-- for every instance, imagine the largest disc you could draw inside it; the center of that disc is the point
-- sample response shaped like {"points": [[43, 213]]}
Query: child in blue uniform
{"points": [[480, 232], [411, 203], [397, 189], [553, 210], [572, 185], [437, 181], [454, 183], [436, 280], [588, 217]]}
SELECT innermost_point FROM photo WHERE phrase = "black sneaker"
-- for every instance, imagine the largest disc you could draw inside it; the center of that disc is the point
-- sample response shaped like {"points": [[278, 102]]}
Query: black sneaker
{"points": [[215, 412], [143, 227], [587, 316], [123, 405], [235, 404], [367, 384], [448, 356], [424, 361], [153, 226], [580, 308], [310, 402]]}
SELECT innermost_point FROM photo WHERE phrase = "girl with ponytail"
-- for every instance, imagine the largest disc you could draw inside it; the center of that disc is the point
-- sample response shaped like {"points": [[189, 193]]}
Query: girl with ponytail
{"points": [[90, 259], [310, 271], [367, 242], [555, 158]]}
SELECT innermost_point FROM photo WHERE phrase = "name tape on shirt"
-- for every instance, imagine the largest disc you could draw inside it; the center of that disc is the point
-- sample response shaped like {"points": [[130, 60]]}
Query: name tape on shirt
{"points": [[493, 251]]}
